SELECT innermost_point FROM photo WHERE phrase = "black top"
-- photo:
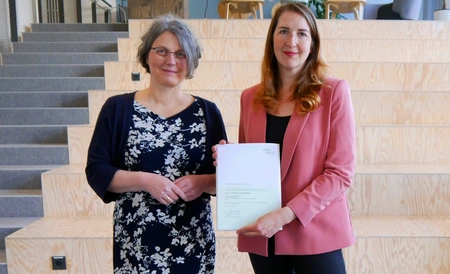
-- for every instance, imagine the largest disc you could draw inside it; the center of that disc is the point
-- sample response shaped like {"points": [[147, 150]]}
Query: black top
{"points": [[275, 129]]}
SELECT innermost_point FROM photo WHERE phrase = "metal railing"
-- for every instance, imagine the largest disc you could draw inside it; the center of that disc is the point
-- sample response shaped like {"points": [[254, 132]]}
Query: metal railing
{"points": [[107, 11]]}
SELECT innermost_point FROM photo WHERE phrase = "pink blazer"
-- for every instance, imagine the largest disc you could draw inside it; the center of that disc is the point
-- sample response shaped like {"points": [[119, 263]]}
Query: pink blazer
{"points": [[317, 165]]}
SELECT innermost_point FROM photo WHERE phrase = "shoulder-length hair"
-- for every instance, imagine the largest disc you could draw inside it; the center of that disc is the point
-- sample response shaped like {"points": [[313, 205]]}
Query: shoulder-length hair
{"points": [[188, 42], [310, 78]]}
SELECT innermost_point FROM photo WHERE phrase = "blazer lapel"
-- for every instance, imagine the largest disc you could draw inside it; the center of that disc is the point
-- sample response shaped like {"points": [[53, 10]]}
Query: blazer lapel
{"points": [[290, 141]]}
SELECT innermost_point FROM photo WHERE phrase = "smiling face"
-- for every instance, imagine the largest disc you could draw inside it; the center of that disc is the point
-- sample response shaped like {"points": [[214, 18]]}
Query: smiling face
{"points": [[166, 71], [291, 42]]}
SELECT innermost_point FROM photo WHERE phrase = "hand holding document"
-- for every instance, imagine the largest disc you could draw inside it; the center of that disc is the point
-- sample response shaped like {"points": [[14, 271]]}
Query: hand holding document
{"points": [[248, 183]]}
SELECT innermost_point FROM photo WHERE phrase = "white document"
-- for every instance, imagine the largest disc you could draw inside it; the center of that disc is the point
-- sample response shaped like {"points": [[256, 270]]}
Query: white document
{"points": [[248, 183]]}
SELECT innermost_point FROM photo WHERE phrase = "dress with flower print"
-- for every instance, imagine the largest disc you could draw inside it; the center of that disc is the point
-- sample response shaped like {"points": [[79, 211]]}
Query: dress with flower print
{"points": [[150, 237]]}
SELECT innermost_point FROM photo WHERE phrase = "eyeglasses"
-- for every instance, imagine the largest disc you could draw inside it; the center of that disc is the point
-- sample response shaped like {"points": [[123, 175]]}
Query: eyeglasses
{"points": [[163, 53]]}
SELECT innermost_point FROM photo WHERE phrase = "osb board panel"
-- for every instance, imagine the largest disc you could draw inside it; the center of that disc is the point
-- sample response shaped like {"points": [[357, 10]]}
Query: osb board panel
{"points": [[369, 195], [80, 137], [69, 195], [374, 144], [400, 194], [333, 50], [241, 75], [146, 9], [371, 107], [342, 29]]}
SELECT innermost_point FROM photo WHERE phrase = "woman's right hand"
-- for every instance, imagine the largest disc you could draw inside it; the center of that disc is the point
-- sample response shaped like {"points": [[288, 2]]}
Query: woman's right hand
{"points": [[214, 150]]}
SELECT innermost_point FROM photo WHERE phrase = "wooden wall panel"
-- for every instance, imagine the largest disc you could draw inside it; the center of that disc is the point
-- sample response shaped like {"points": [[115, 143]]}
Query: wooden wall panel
{"points": [[227, 102], [374, 144], [80, 137], [371, 107], [400, 194], [87, 245], [403, 144], [79, 141], [404, 255], [333, 50], [241, 75], [345, 29], [401, 107], [424, 193], [66, 193]]}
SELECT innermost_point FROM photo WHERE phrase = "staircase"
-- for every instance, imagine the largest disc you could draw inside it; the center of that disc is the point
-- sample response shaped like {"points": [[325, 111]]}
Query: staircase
{"points": [[44, 85]]}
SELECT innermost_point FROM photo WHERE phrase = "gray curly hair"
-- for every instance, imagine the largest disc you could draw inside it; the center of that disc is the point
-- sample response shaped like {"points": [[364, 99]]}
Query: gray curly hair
{"points": [[186, 37]]}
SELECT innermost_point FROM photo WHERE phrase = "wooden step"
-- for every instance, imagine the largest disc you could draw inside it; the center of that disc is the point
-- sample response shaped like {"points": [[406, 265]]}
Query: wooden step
{"points": [[333, 50], [400, 245], [393, 144], [378, 144], [377, 190], [80, 137], [371, 107], [86, 244], [66, 193], [384, 245], [400, 190], [341, 29], [241, 75]]}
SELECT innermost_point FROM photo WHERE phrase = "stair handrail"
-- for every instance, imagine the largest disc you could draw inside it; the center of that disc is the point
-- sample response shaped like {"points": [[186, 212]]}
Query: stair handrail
{"points": [[107, 11]]}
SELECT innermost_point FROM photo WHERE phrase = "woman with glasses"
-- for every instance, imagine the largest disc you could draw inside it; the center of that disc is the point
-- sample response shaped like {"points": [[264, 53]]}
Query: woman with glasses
{"points": [[310, 115], [150, 155]]}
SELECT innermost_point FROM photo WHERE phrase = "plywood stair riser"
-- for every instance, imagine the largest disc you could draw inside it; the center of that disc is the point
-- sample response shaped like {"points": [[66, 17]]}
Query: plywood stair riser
{"points": [[378, 193], [348, 50], [345, 29], [87, 245], [371, 107], [241, 75], [374, 144]]}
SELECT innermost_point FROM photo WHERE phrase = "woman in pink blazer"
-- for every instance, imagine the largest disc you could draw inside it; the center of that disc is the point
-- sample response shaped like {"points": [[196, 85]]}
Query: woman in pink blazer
{"points": [[311, 116]]}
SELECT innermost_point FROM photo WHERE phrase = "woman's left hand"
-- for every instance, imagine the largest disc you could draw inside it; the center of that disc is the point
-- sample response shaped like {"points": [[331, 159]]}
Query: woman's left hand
{"points": [[193, 185], [269, 224]]}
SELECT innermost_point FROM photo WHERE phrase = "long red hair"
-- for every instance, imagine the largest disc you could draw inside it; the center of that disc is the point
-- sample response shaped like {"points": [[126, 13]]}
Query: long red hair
{"points": [[310, 78]]}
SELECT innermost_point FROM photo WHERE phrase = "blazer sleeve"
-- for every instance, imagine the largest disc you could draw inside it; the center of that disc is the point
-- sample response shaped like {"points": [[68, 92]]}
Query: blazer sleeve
{"points": [[100, 168], [339, 164]]}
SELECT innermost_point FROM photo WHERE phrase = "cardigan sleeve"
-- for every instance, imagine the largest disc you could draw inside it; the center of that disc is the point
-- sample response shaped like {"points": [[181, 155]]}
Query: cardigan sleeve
{"points": [[100, 168], [217, 132]]}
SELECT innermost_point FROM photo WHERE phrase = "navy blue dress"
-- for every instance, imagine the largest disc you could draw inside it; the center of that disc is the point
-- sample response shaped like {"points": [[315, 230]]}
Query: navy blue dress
{"points": [[150, 237]]}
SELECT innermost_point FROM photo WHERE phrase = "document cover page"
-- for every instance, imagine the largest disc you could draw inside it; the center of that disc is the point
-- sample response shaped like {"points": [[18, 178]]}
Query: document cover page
{"points": [[248, 182]]}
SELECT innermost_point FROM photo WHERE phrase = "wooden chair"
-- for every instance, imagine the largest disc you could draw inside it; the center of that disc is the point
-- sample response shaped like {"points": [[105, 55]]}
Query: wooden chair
{"points": [[277, 5], [240, 9], [344, 6]]}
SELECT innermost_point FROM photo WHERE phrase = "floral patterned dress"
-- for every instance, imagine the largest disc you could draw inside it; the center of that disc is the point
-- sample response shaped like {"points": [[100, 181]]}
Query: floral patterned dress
{"points": [[150, 237]]}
